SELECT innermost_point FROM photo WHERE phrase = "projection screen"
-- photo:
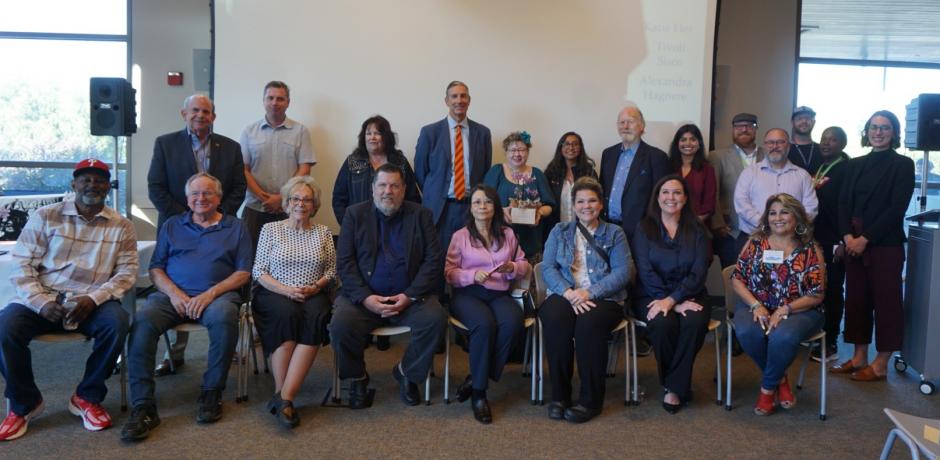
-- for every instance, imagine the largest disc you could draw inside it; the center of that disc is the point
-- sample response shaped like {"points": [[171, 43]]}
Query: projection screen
{"points": [[546, 67]]}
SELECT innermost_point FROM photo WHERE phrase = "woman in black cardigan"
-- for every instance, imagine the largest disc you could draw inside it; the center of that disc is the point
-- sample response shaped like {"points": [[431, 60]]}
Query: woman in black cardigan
{"points": [[875, 195]]}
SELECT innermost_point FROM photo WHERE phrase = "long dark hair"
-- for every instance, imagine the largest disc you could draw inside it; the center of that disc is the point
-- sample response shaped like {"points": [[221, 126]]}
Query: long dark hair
{"points": [[388, 137], [652, 223], [675, 156], [496, 224], [558, 167]]}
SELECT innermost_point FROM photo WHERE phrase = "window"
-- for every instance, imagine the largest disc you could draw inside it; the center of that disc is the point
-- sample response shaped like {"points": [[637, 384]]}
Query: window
{"points": [[50, 49]]}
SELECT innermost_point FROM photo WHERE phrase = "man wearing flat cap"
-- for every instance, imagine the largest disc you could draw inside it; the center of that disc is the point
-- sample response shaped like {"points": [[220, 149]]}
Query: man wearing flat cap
{"points": [[728, 164], [73, 261], [803, 151]]}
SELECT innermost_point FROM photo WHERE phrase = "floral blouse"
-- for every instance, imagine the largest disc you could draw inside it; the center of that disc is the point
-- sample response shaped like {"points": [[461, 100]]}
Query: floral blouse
{"points": [[776, 285]]}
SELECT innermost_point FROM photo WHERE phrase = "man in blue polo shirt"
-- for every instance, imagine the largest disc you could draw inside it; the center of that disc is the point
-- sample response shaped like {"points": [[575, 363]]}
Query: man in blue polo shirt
{"points": [[201, 261]]}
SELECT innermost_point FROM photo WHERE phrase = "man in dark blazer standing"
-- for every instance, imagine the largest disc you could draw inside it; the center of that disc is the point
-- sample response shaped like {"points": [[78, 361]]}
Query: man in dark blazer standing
{"points": [[178, 156], [629, 170], [445, 185], [389, 262]]}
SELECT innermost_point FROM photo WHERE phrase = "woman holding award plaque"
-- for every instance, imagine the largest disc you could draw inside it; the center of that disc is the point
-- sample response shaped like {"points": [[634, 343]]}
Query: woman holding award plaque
{"points": [[524, 193]]}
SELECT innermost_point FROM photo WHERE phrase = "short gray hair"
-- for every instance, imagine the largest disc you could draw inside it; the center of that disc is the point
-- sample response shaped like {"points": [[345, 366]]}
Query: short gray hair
{"points": [[215, 182], [197, 95], [298, 181]]}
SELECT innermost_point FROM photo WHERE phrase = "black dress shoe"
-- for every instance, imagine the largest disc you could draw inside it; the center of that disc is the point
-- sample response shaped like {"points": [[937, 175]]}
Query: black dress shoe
{"points": [[210, 406], [580, 414], [164, 367], [406, 390], [143, 419], [481, 410], [465, 389], [284, 411], [671, 408], [359, 393], [556, 410]]}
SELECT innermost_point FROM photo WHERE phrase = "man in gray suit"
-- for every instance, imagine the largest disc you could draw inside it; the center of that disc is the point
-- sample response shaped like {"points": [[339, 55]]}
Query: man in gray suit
{"points": [[445, 185], [728, 165]]}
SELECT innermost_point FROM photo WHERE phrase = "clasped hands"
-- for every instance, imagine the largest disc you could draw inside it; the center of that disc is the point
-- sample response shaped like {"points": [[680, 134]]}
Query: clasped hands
{"points": [[480, 276], [386, 306], [580, 300], [53, 312], [855, 245], [667, 304], [271, 202], [768, 321], [192, 307], [300, 293]]}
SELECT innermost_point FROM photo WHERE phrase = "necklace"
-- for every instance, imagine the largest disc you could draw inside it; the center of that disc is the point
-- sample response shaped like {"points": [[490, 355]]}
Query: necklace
{"points": [[806, 159], [821, 173]]}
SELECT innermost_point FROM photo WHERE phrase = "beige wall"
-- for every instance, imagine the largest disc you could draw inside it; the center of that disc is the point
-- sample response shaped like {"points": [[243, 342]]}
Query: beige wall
{"points": [[756, 62], [164, 34]]}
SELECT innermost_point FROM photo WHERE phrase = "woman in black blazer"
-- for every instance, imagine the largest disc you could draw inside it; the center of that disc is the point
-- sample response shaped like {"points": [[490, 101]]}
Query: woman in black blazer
{"points": [[671, 253], [874, 198]]}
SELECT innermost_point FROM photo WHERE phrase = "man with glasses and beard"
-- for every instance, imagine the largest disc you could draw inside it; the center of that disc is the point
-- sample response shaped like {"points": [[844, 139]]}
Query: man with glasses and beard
{"points": [[390, 266], [73, 262]]}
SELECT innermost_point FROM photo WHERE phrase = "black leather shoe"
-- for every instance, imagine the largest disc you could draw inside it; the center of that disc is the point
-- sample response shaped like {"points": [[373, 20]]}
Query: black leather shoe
{"points": [[359, 393], [406, 390], [143, 419], [556, 410], [284, 411], [465, 389], [210, 406], [671, 408], [481, 411], [580, 414], [164, 368]]}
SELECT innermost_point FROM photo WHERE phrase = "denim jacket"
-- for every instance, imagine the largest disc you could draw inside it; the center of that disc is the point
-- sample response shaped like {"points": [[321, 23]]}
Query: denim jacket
{"points": [[608, 282]]}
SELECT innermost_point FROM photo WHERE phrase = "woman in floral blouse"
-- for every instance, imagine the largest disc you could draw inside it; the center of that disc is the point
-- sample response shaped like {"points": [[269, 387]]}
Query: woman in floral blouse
{"points": [[780, 283], [522, 186]]}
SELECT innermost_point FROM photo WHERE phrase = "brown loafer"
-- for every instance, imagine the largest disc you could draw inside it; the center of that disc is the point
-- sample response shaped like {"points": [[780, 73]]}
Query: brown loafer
{"points": [[843, 368], [867, 374]]}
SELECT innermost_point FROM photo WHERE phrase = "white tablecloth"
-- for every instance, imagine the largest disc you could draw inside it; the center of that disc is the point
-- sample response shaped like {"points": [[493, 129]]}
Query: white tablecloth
{"points": [[7, 293]]}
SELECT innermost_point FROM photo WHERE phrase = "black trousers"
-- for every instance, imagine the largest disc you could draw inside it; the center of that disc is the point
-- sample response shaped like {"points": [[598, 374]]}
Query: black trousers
{"points": [[352, 324], [676, 340], [562, 329], [835, 295], [495, 322]]}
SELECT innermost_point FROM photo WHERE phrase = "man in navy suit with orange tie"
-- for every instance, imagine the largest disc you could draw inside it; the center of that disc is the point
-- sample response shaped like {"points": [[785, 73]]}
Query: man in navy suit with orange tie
{"points": [[451, 157], [629, 170]]}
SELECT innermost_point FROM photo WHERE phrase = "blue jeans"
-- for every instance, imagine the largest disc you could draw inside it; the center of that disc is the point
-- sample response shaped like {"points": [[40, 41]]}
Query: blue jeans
{"points": [[107, 324], [775, 352], [158, 315]]}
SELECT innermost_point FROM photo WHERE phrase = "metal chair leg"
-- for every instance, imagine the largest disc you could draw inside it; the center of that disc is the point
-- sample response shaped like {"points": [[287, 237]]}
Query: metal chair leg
{"points": [[730, 332], [636, 378], [799, 382], [533, 349], [169, 348], [822, 378], [541, 364], [717, 366], [447, 365], [626, 367]]}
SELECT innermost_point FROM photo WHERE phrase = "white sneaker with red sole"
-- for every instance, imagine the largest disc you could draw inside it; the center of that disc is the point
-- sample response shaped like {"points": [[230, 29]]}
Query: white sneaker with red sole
{"points": [[94, 417], [14, 426]]}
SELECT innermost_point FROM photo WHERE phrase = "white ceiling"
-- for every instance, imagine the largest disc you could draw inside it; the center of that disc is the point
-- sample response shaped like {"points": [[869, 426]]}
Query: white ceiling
{"points": [[886, 30]]}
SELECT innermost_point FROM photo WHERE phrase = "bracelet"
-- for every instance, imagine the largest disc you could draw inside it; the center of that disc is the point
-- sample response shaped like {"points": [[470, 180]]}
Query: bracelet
{"points": [[753, 306]]}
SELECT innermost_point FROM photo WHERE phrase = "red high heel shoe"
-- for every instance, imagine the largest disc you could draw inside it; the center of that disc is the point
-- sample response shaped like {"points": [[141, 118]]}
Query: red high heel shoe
{"points": [[765, 404], [785, 395]]}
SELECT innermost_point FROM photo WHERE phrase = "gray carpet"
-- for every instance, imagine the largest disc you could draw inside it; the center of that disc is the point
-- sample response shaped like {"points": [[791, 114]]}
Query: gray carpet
{"points": [[856, 427]]}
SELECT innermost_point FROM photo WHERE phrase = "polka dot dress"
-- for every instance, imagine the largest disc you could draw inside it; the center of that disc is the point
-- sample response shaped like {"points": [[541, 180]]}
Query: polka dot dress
{"points": [[295, 257]]}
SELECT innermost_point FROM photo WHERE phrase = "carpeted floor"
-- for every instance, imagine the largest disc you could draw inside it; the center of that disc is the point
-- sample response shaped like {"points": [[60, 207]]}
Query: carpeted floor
{"points": [[856, 426]]}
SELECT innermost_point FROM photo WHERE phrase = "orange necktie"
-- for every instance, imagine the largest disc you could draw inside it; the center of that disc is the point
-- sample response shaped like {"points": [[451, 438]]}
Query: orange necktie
{"points": [[459, 181]]}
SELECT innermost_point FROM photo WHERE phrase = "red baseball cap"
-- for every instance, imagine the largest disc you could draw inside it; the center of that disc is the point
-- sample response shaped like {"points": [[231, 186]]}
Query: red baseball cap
{"points": [[92, 164]]}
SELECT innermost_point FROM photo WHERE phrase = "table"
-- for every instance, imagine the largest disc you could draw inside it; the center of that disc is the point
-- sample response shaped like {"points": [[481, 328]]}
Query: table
{"points": [[7, 293]]}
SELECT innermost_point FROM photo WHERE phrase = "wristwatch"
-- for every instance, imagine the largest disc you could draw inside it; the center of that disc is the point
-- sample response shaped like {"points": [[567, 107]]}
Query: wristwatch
{"points": [[753, 306]]}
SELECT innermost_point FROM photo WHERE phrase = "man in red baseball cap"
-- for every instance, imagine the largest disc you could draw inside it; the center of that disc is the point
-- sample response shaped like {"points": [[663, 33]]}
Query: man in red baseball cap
{"points": [[79, 253]]}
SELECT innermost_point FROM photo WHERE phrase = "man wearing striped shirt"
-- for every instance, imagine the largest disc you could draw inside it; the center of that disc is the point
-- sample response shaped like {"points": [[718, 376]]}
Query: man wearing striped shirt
{"points": [[74, 261]]}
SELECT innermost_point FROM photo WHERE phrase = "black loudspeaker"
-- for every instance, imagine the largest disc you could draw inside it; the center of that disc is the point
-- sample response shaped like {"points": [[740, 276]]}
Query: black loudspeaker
{"points": [[113, 107], [922, 130]]}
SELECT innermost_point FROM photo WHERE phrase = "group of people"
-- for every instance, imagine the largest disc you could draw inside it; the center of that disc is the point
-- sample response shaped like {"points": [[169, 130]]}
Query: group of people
{"points": [[635, 240]]}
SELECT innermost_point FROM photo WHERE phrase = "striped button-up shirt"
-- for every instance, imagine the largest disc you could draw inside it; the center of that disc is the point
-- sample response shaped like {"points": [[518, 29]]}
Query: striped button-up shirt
{"points": [[59, 251], [761, 180]]}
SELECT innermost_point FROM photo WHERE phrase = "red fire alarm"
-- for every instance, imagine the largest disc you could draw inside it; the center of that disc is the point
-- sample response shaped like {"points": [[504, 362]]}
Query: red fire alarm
{"points": [[174, 78]]}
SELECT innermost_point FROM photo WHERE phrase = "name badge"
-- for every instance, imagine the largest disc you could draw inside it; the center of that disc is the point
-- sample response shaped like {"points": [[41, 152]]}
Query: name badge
{"points": [[773, 257]]}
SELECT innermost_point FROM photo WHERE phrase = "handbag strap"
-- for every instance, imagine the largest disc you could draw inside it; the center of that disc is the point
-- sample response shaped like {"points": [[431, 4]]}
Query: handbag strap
{"points": [[590, 239]]}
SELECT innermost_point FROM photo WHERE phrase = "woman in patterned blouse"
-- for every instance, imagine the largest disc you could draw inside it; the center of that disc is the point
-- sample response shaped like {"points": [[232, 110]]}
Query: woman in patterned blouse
{"points": [[780, 282], [294, 266]]}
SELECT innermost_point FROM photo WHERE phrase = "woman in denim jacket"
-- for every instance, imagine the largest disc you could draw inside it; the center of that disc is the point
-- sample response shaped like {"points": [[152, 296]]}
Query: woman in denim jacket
{"points": [[376, 147], [586, 268]]}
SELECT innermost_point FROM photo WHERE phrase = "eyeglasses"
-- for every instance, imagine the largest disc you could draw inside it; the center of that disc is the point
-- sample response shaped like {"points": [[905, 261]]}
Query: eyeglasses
{"points": [[776, 142], [571, 144], [299, 200], [204, 194], [747, 126], [880, 128], [518, 150]]}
